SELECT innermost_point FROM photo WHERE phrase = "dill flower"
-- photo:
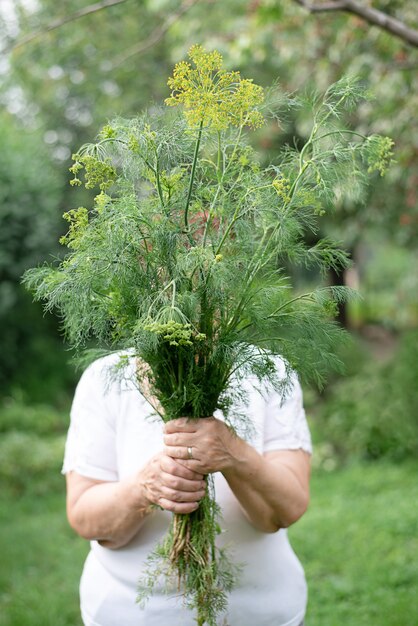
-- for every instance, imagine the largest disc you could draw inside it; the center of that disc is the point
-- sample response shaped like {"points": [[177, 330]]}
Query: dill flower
{"points": [[212, 96], [98, 172], [282, 187], [78, 221], [380, 154]]}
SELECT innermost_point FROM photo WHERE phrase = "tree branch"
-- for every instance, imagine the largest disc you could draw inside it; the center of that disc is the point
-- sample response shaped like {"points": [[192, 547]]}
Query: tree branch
{"points": [[403, 66], [156, 34], [60, 21], [369, 14]]}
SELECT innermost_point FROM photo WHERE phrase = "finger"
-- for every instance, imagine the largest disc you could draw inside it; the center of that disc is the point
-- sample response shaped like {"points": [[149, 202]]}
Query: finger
{"points": [[182, 484], [182, 424], [180, 439], [174, 495], [172, 466], [178, 507], [194, 465], [180, 452]]}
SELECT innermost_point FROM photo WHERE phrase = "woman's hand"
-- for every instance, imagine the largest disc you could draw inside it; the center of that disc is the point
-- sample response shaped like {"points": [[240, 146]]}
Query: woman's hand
{"points": [[204, 445], [171, 485], [273, 489], [112, 513]]}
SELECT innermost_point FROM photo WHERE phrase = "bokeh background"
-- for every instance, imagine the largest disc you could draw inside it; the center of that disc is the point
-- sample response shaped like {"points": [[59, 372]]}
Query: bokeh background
{"points": [[65, 68]]}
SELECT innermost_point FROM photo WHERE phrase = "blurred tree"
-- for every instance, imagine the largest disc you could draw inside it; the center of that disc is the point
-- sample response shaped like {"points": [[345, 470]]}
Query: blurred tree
{"points": [[74, 77], [77, 75], [373, 16], [30, 193]]}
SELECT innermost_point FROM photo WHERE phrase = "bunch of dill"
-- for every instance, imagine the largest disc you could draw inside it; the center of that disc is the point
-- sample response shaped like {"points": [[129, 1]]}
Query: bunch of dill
{"points": [[182, 257]]}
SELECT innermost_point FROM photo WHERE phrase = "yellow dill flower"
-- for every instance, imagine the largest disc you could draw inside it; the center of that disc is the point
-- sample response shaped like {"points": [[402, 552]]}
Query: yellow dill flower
{"points": [[213, 96], [282, 187], [78, 220], [100, 201], [107, 132], [379, 154], [97, 172]]}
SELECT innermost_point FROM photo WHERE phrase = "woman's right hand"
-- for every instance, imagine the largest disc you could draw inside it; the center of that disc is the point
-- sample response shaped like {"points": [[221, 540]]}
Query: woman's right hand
{"points": [[172, 486], [112, 512]]}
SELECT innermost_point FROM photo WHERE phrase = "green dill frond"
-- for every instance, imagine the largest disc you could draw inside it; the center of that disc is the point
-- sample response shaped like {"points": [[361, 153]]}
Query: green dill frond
{"points": [[343, 95]]}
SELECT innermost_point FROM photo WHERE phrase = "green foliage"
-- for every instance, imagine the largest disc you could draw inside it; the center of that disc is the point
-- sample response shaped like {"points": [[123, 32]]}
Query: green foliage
{"points": [[192, 231], [373, 413], [71, 77], [316, 49], [30, 463], [31, 447], [29, 206], [75, 75], [29, 225], [32, 360], [32, 419], [388, 284]]}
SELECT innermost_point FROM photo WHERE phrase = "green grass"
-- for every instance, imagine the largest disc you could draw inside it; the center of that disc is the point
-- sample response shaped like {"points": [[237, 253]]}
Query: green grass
{"points": [[41, 561], [358, 544]]}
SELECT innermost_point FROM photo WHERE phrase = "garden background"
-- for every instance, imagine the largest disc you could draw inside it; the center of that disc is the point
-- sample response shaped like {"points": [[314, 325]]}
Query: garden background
{"points": [[64, 70]]}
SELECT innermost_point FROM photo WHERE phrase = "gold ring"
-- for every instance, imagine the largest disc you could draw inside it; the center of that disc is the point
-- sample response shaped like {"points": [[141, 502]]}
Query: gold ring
{"points": [[190, 452]]}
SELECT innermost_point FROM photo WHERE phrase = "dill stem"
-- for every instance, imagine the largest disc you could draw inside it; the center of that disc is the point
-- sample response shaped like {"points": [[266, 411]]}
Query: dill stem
{"points": [[224, 172], [189, 195], [340, 132], [218, 164], [303, 296], [158, 180], [235, 147], [260, 259], [220, 182]]}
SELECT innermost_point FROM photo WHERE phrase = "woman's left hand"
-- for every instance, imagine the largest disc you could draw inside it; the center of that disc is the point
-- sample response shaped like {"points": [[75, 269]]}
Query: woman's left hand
{"points": [[273, 489], [204, 445]]}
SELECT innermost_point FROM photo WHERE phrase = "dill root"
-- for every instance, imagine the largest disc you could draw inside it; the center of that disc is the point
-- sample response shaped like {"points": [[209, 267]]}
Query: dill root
{"points": [[189, 556]]}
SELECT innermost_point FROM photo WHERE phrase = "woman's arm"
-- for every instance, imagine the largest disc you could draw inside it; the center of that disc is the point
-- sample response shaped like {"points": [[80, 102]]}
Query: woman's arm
{"points": [[273, 489], [113, 512]]}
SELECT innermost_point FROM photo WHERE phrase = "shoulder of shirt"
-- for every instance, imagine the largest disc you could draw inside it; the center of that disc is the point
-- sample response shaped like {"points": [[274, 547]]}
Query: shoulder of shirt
{"points": [[253, 385], [117, 372], [115, 369]]}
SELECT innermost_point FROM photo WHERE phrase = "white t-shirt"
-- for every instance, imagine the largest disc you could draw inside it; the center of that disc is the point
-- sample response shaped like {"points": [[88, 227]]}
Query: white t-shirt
{"points": [[113, 433]]}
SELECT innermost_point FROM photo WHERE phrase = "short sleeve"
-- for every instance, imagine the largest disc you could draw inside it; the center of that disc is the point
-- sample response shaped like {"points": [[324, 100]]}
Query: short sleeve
{"points": [[90, 448], [285, 425]]}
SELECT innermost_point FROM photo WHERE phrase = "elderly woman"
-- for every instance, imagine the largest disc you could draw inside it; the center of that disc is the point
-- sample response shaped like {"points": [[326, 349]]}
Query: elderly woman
{"points": [[120, 461]]}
